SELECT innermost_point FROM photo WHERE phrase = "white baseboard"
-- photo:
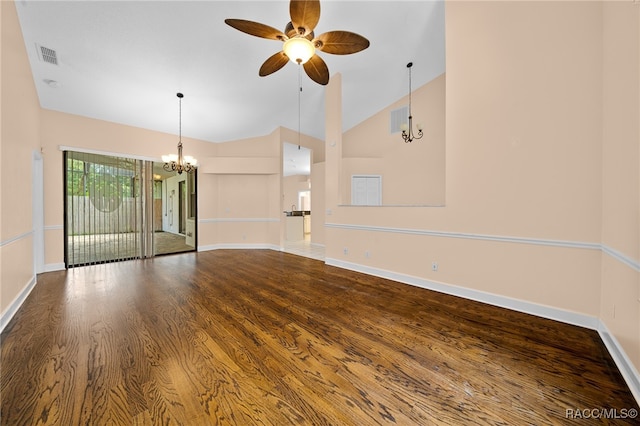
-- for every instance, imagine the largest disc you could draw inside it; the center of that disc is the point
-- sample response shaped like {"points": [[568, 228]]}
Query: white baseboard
{"points": [[52, 267], [233, 246], [616, 351], [13, 307], [628, 371], [477, 295]]}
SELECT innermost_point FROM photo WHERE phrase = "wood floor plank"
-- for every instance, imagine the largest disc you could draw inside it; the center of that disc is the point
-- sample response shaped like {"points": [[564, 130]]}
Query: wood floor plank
{"points": [[259, 337]]}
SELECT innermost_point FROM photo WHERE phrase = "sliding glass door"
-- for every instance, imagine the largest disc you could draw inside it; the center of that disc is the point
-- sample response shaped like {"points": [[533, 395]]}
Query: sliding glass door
{"points": [[116, 209], [103, 209]]}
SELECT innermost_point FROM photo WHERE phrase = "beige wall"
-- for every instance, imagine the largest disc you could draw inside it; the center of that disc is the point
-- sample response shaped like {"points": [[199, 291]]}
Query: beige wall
{"points": [[19, 139], [317, 203], [541, 169], [620, 292], [245, 209]]}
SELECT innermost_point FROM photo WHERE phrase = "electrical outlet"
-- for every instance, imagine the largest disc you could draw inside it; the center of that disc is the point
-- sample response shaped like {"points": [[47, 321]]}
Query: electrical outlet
{"points": [[434, 266], [345, 250], [367, 254]]}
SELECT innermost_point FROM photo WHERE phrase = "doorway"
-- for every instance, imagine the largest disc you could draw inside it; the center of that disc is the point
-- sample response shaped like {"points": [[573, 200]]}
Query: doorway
{"points": [[177, 232]]}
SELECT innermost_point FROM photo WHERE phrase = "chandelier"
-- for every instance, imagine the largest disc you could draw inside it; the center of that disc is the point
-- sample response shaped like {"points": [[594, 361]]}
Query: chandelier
{"points": [[179, 163], [407, 130]]}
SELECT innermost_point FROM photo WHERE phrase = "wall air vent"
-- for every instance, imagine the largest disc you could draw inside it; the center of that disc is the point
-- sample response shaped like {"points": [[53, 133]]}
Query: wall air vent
{"points": [[397, 117], [47, 55]]}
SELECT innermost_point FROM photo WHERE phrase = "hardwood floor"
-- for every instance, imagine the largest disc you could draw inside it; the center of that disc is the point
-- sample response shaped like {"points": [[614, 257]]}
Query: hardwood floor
{"points": [[244, 337]]}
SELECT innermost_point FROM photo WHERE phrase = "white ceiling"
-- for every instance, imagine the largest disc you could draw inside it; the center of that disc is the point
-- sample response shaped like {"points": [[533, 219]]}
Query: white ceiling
{"points": [[124, 61], [296, 160]]}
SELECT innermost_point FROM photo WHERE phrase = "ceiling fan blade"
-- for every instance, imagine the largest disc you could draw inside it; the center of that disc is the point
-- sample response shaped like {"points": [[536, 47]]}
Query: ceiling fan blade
{"points": [[317, 70], [304, 14], [273, 64], [341, 42], [256, 29]]}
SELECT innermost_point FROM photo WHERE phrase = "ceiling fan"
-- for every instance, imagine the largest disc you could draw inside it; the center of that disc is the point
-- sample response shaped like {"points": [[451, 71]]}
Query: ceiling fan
{"points": [[300, 43]]}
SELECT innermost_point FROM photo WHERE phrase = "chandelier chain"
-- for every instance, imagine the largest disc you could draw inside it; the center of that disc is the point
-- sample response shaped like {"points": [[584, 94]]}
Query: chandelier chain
{"points": [[179, 163], [407, 134], [410, 117], [299, 100]]}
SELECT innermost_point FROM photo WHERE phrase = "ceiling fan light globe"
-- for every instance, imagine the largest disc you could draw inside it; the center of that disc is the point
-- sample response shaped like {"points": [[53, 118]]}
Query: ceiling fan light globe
{"points": [[299, 49]]}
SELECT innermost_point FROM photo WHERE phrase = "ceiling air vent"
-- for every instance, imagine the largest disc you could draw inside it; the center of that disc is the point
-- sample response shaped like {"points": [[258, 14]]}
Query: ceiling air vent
{"points": [[397, 117], [48, 55]]}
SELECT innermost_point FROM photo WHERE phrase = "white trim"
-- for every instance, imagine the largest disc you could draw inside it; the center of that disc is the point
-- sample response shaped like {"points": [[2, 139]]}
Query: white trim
{"points": [[233, 246], [634, 264], [13, 307], [628, 371], [16, 238], [52, 267], [239, 219], [470, 236], [109, 153], [620, 257]]}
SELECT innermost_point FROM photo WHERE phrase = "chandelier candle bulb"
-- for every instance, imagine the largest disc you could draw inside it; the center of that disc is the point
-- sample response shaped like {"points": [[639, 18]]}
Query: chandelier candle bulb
{"points": [[190, 160]]}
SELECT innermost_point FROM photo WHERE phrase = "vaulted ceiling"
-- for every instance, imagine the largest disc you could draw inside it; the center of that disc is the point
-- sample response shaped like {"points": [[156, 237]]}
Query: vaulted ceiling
{"points": [[124, 61]]}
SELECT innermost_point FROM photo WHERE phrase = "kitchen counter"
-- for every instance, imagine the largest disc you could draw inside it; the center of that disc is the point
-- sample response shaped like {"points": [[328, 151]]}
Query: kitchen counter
{"points": [[295, 224]]}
